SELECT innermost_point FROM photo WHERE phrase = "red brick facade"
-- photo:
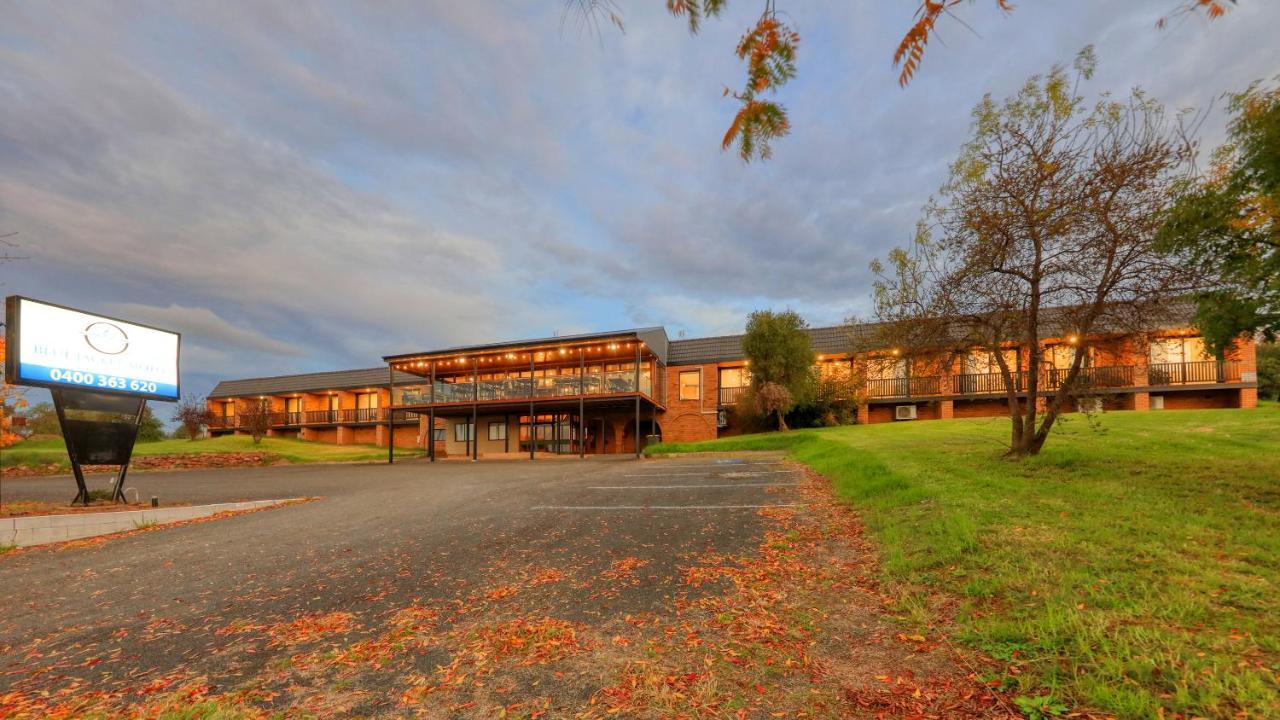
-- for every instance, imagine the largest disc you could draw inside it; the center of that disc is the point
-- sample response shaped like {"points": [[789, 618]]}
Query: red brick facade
{"points": [[1121, 374]]}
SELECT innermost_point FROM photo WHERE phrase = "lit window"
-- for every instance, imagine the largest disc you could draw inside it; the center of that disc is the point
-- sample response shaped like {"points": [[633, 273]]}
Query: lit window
{"points": [[733, 377], [691, 385]]}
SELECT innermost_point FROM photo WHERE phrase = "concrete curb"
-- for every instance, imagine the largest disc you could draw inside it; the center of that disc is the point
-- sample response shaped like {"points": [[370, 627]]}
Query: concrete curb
{"points": [[44, 529]]}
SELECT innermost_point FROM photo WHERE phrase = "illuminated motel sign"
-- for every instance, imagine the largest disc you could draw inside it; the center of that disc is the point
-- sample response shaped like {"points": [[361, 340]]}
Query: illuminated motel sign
{"points": [[100, 371]]}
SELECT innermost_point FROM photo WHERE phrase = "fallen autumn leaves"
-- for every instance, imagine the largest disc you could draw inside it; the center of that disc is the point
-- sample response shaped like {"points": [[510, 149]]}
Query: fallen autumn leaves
{"points": [[794, 629]]}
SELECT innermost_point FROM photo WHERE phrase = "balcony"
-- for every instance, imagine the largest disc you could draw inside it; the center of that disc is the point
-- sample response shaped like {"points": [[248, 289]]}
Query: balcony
{"points": [[1190, 373], [569, 385], [1091, 378], [905, 387], [730, 395]]}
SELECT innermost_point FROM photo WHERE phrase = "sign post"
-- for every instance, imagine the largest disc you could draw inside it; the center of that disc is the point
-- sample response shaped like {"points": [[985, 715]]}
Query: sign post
{"points": [[100, 371]]}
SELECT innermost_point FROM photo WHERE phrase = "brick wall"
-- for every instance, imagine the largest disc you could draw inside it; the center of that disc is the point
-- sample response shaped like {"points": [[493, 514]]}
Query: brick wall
{"points": [[1200, 400], [690, 420]]}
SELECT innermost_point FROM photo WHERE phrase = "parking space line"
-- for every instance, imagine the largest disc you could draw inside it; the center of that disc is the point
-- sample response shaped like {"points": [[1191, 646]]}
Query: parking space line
{"points": [[663, 507], [717, 465], [734, 473], [677, 487]]}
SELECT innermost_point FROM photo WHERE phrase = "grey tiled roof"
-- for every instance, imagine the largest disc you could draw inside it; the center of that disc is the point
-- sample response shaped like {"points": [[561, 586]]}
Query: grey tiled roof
{"points": [[310, 382], [834, 339]]}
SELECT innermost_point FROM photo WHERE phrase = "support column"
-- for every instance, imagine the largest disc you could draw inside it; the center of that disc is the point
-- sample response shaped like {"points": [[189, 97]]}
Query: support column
{"points": [[475, 408], [391, 416], [432, 413], [533, 426], [946, 409], [864, 414], [582, 390], [1248, 398], [637, 389], [343, 435], [1142, 401]]}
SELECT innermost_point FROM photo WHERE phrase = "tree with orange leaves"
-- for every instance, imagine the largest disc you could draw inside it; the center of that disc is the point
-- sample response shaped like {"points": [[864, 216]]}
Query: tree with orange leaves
{"points": [[769, 48]]}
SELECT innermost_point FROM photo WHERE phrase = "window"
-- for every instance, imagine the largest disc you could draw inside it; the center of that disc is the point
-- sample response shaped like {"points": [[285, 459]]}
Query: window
{"points": [[438, 434], [733, 377], [333, 403], [293, 405], [497, 431], [462, 432], [1178, 350], [887, 368], [983, 362], [1060, 357], [367, 401], [691, 385], [228, 409]]}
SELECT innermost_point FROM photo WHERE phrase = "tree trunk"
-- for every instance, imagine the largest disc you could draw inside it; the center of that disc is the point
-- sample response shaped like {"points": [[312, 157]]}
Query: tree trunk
{"points": [[782, 422]]}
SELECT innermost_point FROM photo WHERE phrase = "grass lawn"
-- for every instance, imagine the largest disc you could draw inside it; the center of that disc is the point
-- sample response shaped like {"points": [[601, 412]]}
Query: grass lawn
{"points": [[1126, 569], [52, 450]]}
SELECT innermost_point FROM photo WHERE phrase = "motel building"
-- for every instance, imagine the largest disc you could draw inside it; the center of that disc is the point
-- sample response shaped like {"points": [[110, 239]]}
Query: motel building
{"points": [[615, 392]]}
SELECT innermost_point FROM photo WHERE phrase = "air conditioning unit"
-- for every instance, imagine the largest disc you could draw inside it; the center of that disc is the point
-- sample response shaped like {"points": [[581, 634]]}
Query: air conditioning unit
{"points": [[1089, 405], [904, 412], [1156, 402]]}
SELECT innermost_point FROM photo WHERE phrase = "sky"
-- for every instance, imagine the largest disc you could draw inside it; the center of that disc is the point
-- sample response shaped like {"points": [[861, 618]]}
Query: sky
{"points": [[310, 186]]}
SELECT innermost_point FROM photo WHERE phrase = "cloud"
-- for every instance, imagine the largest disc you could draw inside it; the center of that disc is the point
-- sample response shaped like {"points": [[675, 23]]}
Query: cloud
{"points": [[204, 324]]}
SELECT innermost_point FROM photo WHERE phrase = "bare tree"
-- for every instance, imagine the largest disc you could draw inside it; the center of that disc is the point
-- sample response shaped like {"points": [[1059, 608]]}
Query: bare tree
{"points": [[192, 412], [255, 419], [1045, 229]]}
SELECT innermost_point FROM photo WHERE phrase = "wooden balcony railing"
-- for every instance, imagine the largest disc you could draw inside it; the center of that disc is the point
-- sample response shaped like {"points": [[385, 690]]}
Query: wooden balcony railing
{"points": [[904, 387], [1187, 373], [1107, 376], [986, 383], [730, 395], [361, 415], [222, 422]]}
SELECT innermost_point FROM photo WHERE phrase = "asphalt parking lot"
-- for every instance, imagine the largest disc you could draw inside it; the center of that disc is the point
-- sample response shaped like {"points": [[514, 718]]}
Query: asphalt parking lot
{"points": [[381, 538]]}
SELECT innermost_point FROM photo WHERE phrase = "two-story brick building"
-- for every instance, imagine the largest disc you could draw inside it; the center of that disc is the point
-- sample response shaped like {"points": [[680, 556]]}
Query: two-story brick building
{"points": [[612, 392]]}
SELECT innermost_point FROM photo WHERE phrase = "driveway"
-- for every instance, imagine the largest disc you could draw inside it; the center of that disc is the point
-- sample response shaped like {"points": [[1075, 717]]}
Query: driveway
{"points": [[447, 589]]}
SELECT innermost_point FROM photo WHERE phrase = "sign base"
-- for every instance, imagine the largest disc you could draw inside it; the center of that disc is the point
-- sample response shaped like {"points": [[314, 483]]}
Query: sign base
{"points": [[99, 429]]}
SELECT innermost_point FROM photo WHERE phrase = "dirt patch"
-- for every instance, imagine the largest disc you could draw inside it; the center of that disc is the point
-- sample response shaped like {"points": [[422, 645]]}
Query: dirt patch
{"points": [[30, 508]]}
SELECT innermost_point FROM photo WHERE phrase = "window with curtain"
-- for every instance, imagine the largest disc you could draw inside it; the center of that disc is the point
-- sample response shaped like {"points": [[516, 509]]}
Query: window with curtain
{"points": [[497, 431], [734, 377], [691, 385], [1178, 350], [462, 432]]}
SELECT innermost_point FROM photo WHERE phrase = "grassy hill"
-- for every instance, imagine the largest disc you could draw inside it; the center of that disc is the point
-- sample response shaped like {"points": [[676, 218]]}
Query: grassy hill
{"points": [[52, 451], [1132, 566]]}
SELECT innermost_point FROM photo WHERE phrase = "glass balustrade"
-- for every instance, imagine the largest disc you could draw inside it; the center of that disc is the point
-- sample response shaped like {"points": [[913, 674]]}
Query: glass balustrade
{"points": [[610, 379]]}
